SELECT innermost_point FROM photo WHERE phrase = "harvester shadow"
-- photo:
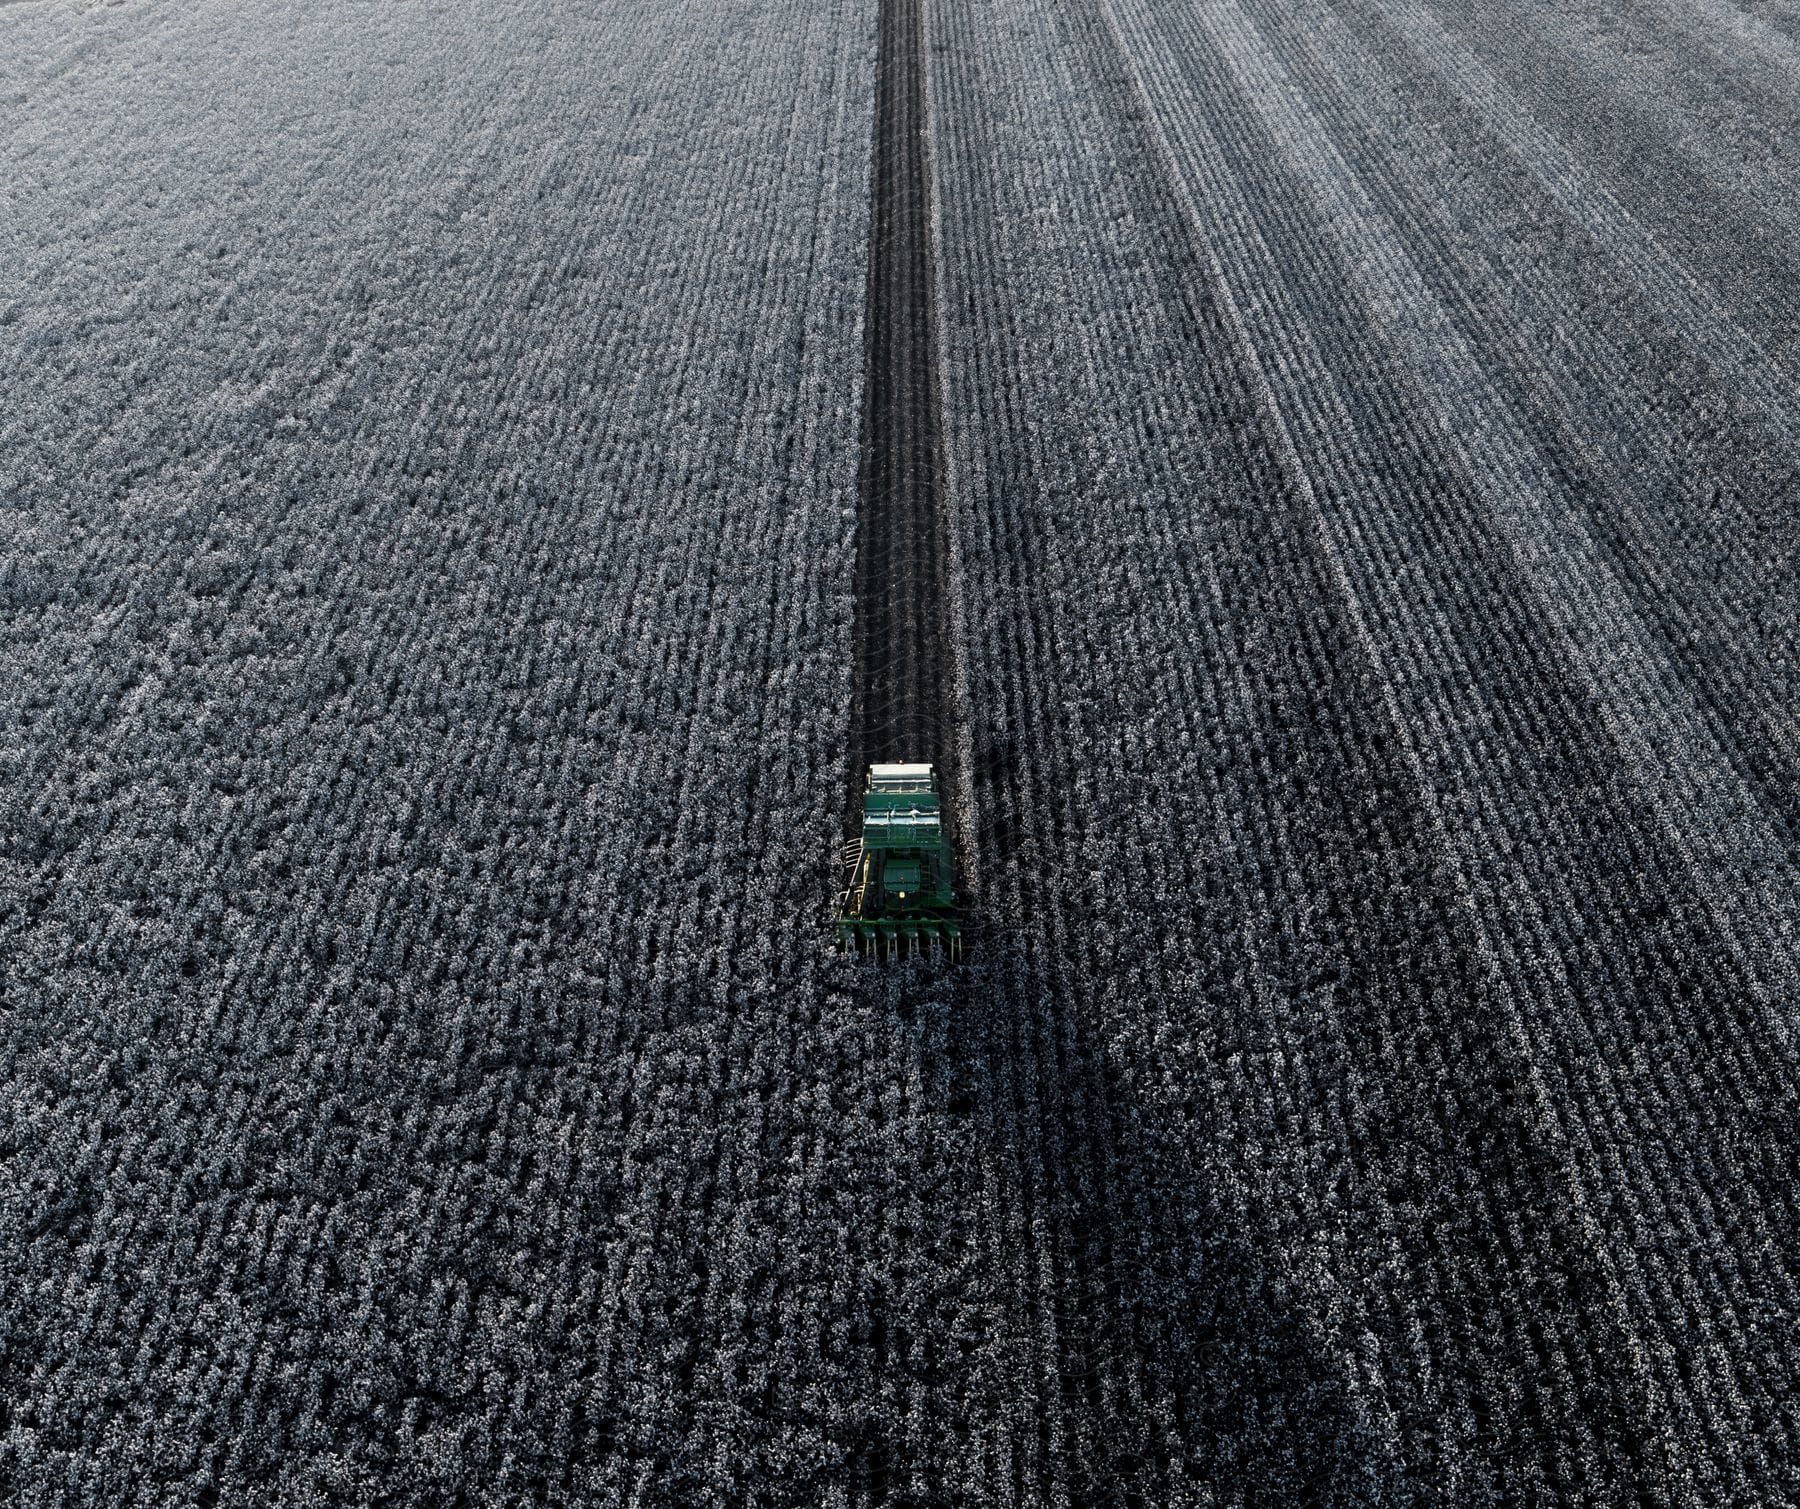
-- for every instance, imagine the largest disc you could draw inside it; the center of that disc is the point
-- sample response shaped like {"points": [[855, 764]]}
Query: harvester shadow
{"points": [[1181, 1375]]}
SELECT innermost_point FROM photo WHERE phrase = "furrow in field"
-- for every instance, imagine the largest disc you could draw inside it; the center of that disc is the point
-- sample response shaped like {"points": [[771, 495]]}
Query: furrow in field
{"points": [[1068, 459], [1744, 1078], [1639, 147], [1371, 501], [1687, 508], [1714, 816]]}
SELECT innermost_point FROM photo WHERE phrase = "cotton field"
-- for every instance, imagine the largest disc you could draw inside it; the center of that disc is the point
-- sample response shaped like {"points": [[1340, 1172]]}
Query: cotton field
{"points": [[480, 484]]}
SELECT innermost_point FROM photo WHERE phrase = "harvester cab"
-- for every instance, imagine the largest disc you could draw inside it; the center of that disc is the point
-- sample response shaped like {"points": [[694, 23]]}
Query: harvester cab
{"points": [[902, 895]]}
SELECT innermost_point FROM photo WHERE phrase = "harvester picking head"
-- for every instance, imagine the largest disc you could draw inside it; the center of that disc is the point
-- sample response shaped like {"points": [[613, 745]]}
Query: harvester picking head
{"points": [[901, 898]]}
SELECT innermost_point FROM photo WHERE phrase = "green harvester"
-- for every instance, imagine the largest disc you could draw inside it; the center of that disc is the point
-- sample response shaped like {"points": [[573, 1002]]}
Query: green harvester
{"points": [[902, 894]]}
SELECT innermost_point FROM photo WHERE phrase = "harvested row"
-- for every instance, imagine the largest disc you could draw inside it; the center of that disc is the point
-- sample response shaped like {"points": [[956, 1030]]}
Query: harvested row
{"points": [[901, 704]]}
